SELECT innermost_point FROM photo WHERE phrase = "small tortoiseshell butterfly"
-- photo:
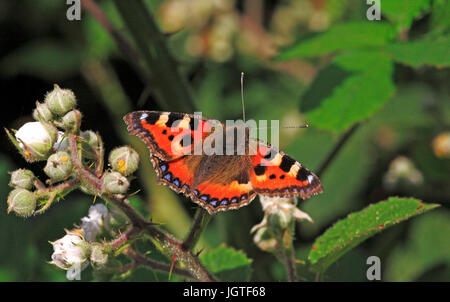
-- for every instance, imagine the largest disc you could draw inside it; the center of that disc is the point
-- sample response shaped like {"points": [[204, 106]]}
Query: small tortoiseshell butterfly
{"points": [[217, 182]]}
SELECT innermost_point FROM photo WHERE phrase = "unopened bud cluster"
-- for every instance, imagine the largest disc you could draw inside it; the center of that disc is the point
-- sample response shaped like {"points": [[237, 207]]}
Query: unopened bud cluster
{"points": [[74, 159], [123, 161]]}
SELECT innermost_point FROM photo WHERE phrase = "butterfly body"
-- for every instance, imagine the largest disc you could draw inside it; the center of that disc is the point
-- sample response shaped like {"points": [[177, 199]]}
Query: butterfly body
{"points": [[217, 182]]}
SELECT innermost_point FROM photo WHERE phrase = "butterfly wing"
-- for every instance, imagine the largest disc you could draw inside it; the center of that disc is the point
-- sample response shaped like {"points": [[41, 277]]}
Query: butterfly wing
{"points": [[216, 183], [169, 135], [274, 173]]}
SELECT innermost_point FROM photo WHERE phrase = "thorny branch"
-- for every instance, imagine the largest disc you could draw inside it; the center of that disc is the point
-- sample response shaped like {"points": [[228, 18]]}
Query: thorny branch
{"points": [[171, 245]]}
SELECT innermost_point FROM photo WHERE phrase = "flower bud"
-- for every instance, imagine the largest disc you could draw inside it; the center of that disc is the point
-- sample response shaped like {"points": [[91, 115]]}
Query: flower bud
{"points": [[60, 101], [36, 140], [71, 253], [98, 257], [22, 202], [42, 113], [441, 145], [90, 138], [90, 144], [281, 211], [22, 178], [72, 121], [59, 166], [124, 160], [115, 183], [279, 220]]}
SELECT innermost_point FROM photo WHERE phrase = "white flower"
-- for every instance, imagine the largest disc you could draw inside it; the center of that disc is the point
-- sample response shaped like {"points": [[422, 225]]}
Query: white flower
{"points": [[62, 142], [36, 140], [71, 253], [402, 169], [279, 211], [92, 224], [285, 205]]}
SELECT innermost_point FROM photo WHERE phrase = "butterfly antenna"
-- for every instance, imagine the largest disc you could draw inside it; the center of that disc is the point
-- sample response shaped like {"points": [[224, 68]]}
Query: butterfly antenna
{"points": [[242, 96]]}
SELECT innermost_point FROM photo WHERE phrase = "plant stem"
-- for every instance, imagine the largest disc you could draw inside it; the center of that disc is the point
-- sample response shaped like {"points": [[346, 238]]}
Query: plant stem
{"points": [[126, 48], [334, 152], [171, 245], [124, 237], [171, 88], [201, 220], [140, 259]]}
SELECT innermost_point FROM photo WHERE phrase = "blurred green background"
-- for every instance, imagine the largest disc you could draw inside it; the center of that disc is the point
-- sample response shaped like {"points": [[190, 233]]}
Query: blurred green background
{"points": [[314, 61]]}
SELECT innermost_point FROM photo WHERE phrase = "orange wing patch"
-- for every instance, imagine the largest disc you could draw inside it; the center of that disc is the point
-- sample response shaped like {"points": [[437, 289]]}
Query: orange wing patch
{"points": [[168, 135], [276, 174]]}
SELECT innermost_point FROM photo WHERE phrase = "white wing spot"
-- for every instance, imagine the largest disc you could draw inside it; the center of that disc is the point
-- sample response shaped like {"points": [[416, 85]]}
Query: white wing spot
{"points": [[310, 178], [144, 116]]}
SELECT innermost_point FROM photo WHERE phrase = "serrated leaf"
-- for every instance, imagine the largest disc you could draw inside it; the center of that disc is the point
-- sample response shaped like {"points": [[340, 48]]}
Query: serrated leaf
{"points": [[403, 12], [354, 87], [434, 52], [340, 37], [227, 264], [357, 227]]}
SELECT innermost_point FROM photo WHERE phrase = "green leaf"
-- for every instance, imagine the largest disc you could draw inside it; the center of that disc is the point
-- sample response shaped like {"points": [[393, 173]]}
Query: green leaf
{"points": [[440, 17], [341, 37], [434, 52], [354, 87], [357, 227], [427, 246], [403, 12], [227, 264]]}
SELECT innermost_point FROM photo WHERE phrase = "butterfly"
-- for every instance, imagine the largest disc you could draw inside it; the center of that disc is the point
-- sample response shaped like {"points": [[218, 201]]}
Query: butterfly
{"points": [[217, 182]]}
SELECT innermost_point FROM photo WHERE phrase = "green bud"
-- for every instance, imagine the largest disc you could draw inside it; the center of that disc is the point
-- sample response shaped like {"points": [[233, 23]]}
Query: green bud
{"points": [[124, 160], [22, 178], [98, 257], [279, 220], [36, 139], [115, 183], [72, 121], [90, 138], [22, 202], [42, 113], [59, 166], [90, 144], [60, 101]]}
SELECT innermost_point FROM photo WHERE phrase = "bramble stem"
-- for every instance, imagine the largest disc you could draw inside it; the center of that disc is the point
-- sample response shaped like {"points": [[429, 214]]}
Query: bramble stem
{"points": [[171, 245], [139, 259], [334, 152], [201, 220]]}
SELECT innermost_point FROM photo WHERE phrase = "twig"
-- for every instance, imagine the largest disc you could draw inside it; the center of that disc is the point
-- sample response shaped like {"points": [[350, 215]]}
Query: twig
{"points": [[201, 220], [122, 43], [336, 149], [171, 245], [140, 259], [124, 237]]}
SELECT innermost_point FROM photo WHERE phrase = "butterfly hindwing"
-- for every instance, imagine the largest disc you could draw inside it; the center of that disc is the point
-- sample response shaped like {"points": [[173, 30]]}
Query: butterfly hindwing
{"points": [[216, 183], [277, 174]]}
